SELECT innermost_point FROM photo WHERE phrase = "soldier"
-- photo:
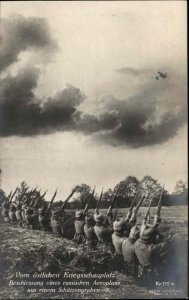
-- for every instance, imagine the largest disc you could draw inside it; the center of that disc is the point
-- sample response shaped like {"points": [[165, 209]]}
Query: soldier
{"points": [[12, 215], [44, 216], [56, 221], [62, 223], [5, 211], [149, 252], [19, 213], [128, 249], [118, 235], [101, 229], [24, 206], [91, 238], [117, 240], [123, 227], [31, 217], [79, 223]]}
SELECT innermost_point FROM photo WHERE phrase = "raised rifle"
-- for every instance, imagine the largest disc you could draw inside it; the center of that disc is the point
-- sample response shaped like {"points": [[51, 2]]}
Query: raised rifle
{"points": [[132, 205], [64, 203], [148, 211], [22, 197], [50, 204], [115, 214], [112, 202], [9, 196], [39, 198], [135, 211], [87, 204], [28, 196], [160, 201], [13, 194], [98, 201]]}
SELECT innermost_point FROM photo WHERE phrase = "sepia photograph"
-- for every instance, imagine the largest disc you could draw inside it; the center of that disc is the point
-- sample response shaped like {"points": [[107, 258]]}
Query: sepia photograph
{"points": [[93, 150]]}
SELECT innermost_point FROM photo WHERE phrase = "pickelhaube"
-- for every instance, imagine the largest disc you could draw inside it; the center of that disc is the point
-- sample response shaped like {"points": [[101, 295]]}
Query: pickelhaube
{"points": [[134, 233]]}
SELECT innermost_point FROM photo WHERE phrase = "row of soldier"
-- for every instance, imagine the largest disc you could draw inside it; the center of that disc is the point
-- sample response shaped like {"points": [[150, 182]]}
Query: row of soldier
{"points": [[141, 249]]}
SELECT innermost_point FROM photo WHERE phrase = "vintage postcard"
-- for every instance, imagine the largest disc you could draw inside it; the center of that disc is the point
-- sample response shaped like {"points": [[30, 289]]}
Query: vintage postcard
{"points": [[93, 150]]}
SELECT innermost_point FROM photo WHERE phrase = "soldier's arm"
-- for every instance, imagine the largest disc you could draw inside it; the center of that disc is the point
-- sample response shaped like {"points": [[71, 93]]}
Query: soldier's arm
{"points": [[160, 248]]}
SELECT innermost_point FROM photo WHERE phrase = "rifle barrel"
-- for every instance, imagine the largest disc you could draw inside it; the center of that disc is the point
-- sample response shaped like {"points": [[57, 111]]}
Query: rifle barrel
{"points": [[90, 197], [134, 200], [71, 194], [160, 201], [148, 209], [113, 200], [99, 199]]}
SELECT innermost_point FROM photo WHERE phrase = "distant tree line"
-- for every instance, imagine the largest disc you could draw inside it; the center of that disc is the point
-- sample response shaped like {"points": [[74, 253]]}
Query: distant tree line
{"points": [[126, 191]]}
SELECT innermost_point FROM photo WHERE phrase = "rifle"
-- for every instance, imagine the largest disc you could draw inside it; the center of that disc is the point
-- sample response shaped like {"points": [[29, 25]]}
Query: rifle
{"points": [[99, 199], [139, 204], [13, 194], [39, 199], [115, 214], [132, 205], [112, 202], [148, 211], [160, 201], [28, 196], [8, 197], [64, 203], [50, 204], [90, 197], [23, 194]]}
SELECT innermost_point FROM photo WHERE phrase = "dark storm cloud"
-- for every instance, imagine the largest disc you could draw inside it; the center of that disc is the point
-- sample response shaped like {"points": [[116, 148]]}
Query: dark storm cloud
{"points": [[148, 117], [19, 34], [89, 123], [151, 116], [142, 125], [23, 114]]}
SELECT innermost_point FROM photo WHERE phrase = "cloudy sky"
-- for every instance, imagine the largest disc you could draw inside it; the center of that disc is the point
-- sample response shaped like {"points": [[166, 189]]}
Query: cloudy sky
{"points": [[79, 98]]}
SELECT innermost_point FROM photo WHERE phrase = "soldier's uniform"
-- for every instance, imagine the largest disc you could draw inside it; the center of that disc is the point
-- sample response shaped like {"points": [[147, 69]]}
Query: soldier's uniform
{"points": [[5, 211], [67, 225], [128, 249], [149, 252], [12, 215], [101, 230], [91, 238], [118, 236], [23, 213], [31, 217], [117, 240], [56, 222], [79, 223], [19, 213], [43, 217]]}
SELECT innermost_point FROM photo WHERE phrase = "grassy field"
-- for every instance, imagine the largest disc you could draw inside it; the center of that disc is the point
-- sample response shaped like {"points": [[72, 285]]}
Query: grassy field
{"points": [[30, 251]]}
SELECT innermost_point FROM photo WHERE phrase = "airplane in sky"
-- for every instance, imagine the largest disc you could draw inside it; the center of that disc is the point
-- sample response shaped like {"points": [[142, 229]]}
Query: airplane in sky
{"points": [[162, 75]]}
